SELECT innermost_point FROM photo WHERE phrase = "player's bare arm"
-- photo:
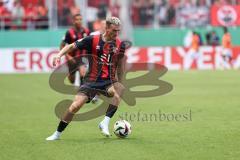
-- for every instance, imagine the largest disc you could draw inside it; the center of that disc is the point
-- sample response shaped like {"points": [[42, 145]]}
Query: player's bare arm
{"points": [[63, 51], [68, 56]]}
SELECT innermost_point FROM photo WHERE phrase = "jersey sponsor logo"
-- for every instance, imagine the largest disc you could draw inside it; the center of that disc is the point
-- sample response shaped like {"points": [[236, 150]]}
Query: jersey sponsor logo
{"points": [[105, 59]]}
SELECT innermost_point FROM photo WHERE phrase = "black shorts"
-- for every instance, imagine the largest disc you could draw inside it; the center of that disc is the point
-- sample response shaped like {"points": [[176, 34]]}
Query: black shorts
{"points": [[90, 89], [73, 67]]}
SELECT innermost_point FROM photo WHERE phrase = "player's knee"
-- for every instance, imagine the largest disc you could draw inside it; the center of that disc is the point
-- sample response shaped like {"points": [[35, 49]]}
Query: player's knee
{"points": [[111, 92], [117, 97], [76, 105], [73, 108]]}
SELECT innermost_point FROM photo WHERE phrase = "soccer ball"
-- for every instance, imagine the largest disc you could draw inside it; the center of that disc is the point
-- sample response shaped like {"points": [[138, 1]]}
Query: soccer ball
{"points": [[122, 128]]}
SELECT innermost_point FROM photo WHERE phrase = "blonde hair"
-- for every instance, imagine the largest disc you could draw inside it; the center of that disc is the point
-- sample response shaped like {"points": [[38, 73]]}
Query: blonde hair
{"points": [[113, 20]]}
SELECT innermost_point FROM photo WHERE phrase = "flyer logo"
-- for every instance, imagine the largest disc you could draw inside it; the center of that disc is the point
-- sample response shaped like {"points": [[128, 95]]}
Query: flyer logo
{"points": [[227, 15]]}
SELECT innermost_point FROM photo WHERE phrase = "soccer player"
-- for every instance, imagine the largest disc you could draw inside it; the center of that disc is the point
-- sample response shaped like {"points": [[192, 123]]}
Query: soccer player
{"points": [[77, 31], [226, 48], [106, 69], [101, 30], [194, 49]]}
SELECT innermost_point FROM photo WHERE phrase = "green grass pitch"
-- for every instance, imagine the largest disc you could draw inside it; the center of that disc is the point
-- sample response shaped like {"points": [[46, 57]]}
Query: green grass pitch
{"points": [[213, 97]]}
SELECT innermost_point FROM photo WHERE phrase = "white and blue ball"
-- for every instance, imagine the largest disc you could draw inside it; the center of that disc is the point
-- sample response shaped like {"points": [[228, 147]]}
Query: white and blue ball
{"points": [[122, 128]]}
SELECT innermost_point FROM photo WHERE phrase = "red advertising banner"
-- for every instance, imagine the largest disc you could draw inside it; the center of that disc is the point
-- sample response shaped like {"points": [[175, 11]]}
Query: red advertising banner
{"points": [[39, 60], [180, 58], [225, 15]]}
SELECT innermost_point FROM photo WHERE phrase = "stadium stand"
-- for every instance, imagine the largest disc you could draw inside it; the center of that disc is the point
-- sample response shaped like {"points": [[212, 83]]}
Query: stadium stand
{"points": [[34, 14]]}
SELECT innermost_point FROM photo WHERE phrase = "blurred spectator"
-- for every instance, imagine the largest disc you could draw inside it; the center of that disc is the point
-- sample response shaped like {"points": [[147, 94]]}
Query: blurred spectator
{"points": [[208, 38], [10, 4], [74, 10], [115, 8], [17, 15], [42, 15], [212, 38], [102, 10], [66, 9], [165, 12], [2, 9], [192, 14], [64, 14], [30, 12], [41, 9], [162, 12], [143, 13], [150, 12], [171, 13], [135, 12], [5, 15], [30, 16]]}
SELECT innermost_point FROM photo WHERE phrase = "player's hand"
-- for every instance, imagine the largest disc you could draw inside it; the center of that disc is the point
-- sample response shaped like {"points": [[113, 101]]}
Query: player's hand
{"points": [[56, 60]]}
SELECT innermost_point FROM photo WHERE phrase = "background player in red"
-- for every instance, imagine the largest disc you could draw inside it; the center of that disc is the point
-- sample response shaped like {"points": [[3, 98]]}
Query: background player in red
{"points": [[106, 69], [76, 32]]}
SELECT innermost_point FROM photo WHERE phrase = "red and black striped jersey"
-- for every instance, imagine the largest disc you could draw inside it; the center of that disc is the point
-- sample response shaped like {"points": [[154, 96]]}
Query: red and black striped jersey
{"points": [[103, 57], [73, 35]]}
